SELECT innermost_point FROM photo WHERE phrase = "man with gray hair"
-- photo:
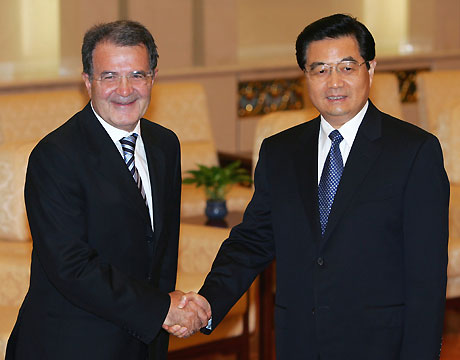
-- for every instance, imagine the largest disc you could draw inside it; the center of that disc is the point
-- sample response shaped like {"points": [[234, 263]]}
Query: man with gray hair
{"points": [[103, 199]]}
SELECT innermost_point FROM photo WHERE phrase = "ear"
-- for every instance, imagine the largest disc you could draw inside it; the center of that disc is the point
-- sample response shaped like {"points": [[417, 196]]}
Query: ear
{"points": [[87, 82], [372, 65], [155, 72]]}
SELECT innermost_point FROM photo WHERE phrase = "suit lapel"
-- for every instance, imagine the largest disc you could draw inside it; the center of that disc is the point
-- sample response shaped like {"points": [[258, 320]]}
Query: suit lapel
{"points": [[106, 158], [364, 152], [156, 164], [306, 166]]}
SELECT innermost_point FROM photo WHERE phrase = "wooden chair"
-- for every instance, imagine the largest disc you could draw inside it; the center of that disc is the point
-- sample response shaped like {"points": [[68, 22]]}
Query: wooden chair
{"points": [[182, 107], [385, 94], [198, 248], [28, 116], [437, 91], [448, 132]]}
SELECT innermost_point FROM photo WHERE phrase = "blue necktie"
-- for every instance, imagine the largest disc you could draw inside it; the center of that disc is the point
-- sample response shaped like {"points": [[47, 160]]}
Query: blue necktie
{"points": [[128, 144], [330, 179]]}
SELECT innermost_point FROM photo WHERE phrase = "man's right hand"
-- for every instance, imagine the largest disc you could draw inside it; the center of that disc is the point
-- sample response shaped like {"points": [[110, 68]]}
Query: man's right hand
{"points": [[187, 314]]}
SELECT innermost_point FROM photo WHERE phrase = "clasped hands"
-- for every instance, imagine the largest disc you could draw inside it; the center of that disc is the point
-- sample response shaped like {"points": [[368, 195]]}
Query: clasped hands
{"points": [[187, 314]]}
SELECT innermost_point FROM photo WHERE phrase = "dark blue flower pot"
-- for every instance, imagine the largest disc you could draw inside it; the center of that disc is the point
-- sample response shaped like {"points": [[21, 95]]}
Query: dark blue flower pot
{"points": [[216, 210]]}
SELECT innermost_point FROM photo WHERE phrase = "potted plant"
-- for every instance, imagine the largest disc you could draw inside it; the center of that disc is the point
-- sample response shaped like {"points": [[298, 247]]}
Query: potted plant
{"points": [[216, 181]]}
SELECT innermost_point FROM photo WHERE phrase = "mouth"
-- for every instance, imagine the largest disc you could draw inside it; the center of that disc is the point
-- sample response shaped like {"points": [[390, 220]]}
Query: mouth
{"points": [[336, 97], [124, 103]]}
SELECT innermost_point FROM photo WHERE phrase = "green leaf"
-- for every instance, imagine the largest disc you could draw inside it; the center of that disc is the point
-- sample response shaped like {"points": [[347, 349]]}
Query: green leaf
{"points": [[217, 180]]}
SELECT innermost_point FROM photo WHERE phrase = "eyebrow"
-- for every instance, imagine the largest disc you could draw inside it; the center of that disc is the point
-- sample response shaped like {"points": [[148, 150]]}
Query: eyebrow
{"points": [[349, 58]]}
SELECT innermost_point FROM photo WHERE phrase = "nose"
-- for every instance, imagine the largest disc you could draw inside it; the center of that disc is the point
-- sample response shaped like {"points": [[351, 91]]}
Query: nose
{"points": [[334, 79], [124, 87]]}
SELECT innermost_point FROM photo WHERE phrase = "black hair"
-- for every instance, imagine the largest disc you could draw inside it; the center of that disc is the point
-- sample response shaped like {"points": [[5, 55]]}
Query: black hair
{"points": [[333, 27]]}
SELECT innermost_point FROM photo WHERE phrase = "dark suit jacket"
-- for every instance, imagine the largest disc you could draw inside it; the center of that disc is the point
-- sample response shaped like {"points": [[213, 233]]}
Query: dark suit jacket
{"points": [[100, 276], [374, 287]]}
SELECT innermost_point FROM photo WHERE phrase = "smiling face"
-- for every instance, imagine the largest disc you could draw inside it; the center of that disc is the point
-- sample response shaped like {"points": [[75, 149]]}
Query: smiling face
{"points": [[123, 104], [338, 97]]}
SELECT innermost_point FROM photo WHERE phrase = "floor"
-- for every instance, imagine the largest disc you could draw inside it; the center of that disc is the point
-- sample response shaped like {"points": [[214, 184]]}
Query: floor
{"points": [[451, 337], [451, 347]]}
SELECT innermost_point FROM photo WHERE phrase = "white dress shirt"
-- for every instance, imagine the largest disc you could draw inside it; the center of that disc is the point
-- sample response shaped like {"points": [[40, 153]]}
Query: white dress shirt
{"points": [[348, 132], [140, 157]]}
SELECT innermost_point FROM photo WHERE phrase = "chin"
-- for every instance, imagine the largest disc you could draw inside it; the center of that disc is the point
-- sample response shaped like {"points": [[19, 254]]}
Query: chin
{"points": [[337, 112], [125, 123]]}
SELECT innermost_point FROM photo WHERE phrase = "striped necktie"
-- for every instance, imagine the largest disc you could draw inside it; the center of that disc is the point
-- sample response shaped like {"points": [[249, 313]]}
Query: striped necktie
{"points": [[128, 144], [330, 179]]}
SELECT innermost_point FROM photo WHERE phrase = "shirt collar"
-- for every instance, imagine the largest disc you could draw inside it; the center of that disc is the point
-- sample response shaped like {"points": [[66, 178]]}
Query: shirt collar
{"points": [[115, 133], [347, 130]]}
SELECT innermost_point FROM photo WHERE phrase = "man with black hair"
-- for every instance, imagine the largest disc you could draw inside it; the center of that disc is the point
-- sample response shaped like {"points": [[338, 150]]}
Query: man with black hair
{"points": [[103, 199], [354, 207]]}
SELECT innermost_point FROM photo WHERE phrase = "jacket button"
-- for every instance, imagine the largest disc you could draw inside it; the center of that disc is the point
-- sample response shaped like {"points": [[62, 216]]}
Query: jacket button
{"points": [[320, 261]]}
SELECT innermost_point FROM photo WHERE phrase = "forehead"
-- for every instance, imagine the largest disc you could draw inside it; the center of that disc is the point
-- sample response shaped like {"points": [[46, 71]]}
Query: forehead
{"points": [[109, 56], [333, 50]]}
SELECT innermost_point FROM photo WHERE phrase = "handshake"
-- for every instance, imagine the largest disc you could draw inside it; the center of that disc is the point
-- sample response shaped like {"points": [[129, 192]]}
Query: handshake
{"points": [[187, 314]]}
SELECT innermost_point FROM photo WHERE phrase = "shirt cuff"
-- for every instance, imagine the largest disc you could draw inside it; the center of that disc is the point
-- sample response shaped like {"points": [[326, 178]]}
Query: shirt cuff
{"points": [[209, 326]]}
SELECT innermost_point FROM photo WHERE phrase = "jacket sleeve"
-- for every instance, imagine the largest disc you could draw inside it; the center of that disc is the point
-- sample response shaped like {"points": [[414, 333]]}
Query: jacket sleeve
{"points": [[247, 251], [59, 219], [426, 211]]}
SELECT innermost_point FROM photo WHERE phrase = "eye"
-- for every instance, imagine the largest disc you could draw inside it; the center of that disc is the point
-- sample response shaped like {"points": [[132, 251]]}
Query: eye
{"points": [[138, 76], [108, 77], [348, 67], [319, 70]]}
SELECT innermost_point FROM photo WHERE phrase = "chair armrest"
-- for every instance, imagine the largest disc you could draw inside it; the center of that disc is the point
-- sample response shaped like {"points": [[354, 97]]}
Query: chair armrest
{"points": [[14, 272], [198, 246]]}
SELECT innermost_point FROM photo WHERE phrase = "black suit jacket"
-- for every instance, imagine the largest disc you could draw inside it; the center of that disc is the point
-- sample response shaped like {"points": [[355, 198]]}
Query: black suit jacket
{"points": [[374, 286], [100, 276]]}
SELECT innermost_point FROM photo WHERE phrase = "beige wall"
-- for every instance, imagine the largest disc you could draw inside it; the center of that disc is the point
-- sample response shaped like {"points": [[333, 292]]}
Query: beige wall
{"points": [[29, 34], [10, 23], [377, 16], [434, 24], [75, 20], [221, 42], [270, 27], [187, 32], [218, 32], [171, 23], [210, 32]]}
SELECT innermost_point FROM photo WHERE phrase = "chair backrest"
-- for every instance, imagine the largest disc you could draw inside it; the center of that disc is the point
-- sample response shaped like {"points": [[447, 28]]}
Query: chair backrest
{"points": [[29, 116], [13, 163], [437, 90], [448, 132], [183, 108], [385, 94], [276, 122]]}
